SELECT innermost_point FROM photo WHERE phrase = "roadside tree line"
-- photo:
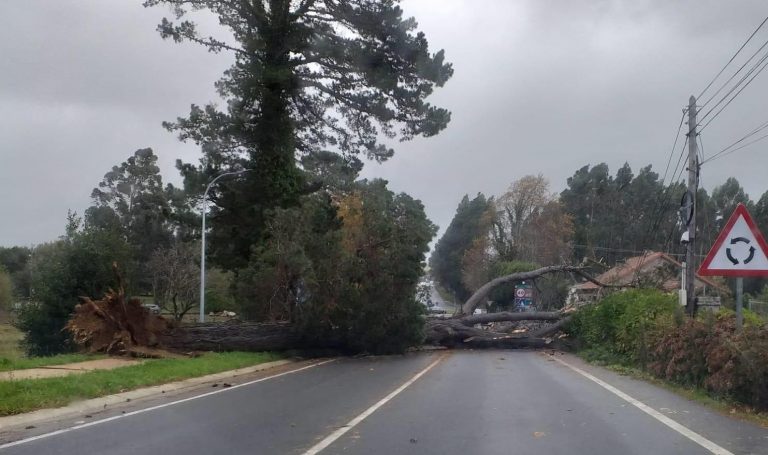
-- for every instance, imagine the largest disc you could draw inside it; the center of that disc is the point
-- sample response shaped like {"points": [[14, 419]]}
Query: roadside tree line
{"points": [[598, 217], [315, 88]]}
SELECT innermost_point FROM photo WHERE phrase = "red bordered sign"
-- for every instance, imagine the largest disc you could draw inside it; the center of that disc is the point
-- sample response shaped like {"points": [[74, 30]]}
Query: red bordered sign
{"points": [[740, 249]]}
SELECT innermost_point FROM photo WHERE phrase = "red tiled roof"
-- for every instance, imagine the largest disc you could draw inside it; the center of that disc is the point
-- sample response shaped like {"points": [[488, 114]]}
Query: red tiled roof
{"points": [[626, 273]]}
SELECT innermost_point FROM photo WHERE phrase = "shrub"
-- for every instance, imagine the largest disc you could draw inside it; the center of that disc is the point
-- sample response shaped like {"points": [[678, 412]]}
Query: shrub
{"points": [[80, 264], [6, 291], [708, 353], [624, 322]]}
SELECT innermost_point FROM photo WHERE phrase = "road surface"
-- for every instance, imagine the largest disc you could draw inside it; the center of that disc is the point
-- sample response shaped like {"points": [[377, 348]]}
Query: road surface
{"points": [[470, 402], [440, 303]]}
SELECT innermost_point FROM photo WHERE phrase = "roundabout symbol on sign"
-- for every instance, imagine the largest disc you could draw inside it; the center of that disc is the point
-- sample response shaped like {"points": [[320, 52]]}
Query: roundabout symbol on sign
{"points": [[751, 251]]}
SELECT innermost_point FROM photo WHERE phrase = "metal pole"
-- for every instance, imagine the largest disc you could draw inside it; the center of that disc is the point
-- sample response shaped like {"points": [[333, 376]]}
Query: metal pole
{"points": [[202, 260], [739, 300], [202, 237], [693, 184]]}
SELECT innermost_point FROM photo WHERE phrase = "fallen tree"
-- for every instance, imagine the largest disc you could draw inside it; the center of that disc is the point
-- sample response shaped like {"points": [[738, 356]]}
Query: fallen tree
{"points": [[462, 330], [115, 326]]}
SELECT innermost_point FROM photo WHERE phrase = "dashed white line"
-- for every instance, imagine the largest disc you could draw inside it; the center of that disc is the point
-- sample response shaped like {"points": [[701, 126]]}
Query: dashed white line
{"points": [[331, 438]]}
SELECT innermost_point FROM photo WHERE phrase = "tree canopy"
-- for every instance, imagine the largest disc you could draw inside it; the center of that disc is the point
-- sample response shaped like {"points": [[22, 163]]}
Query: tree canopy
{"points": [[308, 76]]}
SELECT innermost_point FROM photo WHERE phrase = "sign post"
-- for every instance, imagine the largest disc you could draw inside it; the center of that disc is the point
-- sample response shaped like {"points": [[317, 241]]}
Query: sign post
{"points": [[739, 251], [523, 296]]}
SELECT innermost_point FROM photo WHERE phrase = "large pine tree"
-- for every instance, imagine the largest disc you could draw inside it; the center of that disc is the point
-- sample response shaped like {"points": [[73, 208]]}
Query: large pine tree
{"points": [[308, 76]]}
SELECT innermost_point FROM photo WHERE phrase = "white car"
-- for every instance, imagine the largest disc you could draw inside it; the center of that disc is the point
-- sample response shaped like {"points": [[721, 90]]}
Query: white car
{"points": [[152, 307]]}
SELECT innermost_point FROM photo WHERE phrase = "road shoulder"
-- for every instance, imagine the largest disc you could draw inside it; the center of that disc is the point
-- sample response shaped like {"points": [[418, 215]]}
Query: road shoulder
{"points": [[736, 435], [44, 420]]}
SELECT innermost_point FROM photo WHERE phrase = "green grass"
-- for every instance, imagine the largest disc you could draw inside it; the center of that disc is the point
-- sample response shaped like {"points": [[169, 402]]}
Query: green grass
{"points": [[26, 395]]}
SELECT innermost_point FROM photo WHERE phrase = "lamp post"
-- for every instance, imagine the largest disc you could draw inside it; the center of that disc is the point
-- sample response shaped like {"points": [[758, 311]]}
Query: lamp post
{"points": [[202, 235]]}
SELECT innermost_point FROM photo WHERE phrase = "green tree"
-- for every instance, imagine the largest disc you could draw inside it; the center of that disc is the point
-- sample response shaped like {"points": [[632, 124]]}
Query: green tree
{"points": [[343, 267], [15, 261], [131, 198], [728, 195], [309, 76], [385, 240], [617, 217], [466, 226], [761, 213], [79, 264]]}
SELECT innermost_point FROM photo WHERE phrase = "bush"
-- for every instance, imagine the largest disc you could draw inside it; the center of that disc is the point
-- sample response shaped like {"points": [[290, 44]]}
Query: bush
{"points": [[80, 264], [6, 291], [708, 353], [345, 272], [624, 322]]}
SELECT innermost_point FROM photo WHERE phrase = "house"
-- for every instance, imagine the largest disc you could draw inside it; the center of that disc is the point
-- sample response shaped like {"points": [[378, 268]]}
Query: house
{"points": [[653, 269]]}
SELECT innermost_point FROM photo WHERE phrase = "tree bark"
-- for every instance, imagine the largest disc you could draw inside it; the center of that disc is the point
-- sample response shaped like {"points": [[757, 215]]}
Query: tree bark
{"points": [[454, 333], [232, 336], [510, 317]]}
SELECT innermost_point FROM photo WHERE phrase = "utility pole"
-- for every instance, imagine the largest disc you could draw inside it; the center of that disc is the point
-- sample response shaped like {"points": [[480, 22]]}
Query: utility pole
{"points": [[693, 184]]}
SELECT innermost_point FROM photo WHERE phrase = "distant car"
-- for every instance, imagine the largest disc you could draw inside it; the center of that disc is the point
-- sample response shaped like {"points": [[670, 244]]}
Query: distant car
{"points": [[154, 308]]}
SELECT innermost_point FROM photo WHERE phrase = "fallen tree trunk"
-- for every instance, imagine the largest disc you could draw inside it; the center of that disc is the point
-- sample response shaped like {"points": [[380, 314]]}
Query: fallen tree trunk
{"points": [[455, 333], [510, 317], [115, 325], [232, 336]]}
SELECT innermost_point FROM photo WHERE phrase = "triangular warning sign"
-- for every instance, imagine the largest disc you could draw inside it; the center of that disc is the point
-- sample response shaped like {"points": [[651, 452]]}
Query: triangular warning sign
{"points": [[740, 249]]}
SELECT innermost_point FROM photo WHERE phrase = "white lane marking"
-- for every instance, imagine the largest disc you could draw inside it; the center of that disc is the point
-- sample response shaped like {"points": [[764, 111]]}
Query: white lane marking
{"points": [[690, 434], [153, 408], [331, 438]]}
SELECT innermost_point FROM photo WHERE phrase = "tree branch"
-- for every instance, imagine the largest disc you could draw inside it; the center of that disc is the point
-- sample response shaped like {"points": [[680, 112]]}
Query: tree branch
{"points": [[479, 295]]}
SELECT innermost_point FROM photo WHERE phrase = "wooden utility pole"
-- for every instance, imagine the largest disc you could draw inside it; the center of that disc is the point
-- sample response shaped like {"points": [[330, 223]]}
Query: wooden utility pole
{"points": [[693, 184]]}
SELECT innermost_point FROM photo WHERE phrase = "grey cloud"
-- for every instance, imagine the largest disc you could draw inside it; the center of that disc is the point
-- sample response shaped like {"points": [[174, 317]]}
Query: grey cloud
{"points": [[540, 86]]}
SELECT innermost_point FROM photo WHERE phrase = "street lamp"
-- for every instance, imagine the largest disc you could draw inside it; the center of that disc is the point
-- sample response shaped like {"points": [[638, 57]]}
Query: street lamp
{"points": [[202, 235]]}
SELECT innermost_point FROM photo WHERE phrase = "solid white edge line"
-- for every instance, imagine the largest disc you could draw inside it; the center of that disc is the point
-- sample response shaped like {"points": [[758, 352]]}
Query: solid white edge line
{"points": [[331, 438], [685, 431], [153, 408]]}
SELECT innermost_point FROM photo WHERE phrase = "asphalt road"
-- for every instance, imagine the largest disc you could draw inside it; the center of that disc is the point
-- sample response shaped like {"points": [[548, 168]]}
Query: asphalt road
{"points": [[480, 402], [441, 304]]}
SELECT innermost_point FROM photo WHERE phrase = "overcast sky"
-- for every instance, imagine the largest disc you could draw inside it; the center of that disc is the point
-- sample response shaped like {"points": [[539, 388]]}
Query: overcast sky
{"points": [[540, 86]]}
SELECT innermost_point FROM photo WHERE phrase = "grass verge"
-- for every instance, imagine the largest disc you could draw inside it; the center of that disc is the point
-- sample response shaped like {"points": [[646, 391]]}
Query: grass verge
{"points": [[26, 395], [718, 404]]}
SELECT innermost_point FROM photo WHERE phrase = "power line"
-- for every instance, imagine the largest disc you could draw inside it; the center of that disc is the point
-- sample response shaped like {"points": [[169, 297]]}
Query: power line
{"points": [[752, 70], [738, 148], [732, 58], [736, 73], [674, 146], [725, 151]]}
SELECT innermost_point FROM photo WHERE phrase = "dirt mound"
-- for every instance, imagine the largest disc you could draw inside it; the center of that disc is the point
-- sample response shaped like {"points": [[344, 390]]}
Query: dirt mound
{"points": [[113, 325]]}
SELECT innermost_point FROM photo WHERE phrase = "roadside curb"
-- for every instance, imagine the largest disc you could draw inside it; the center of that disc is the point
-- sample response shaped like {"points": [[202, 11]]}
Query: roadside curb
{"points": [[101, 403]]}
